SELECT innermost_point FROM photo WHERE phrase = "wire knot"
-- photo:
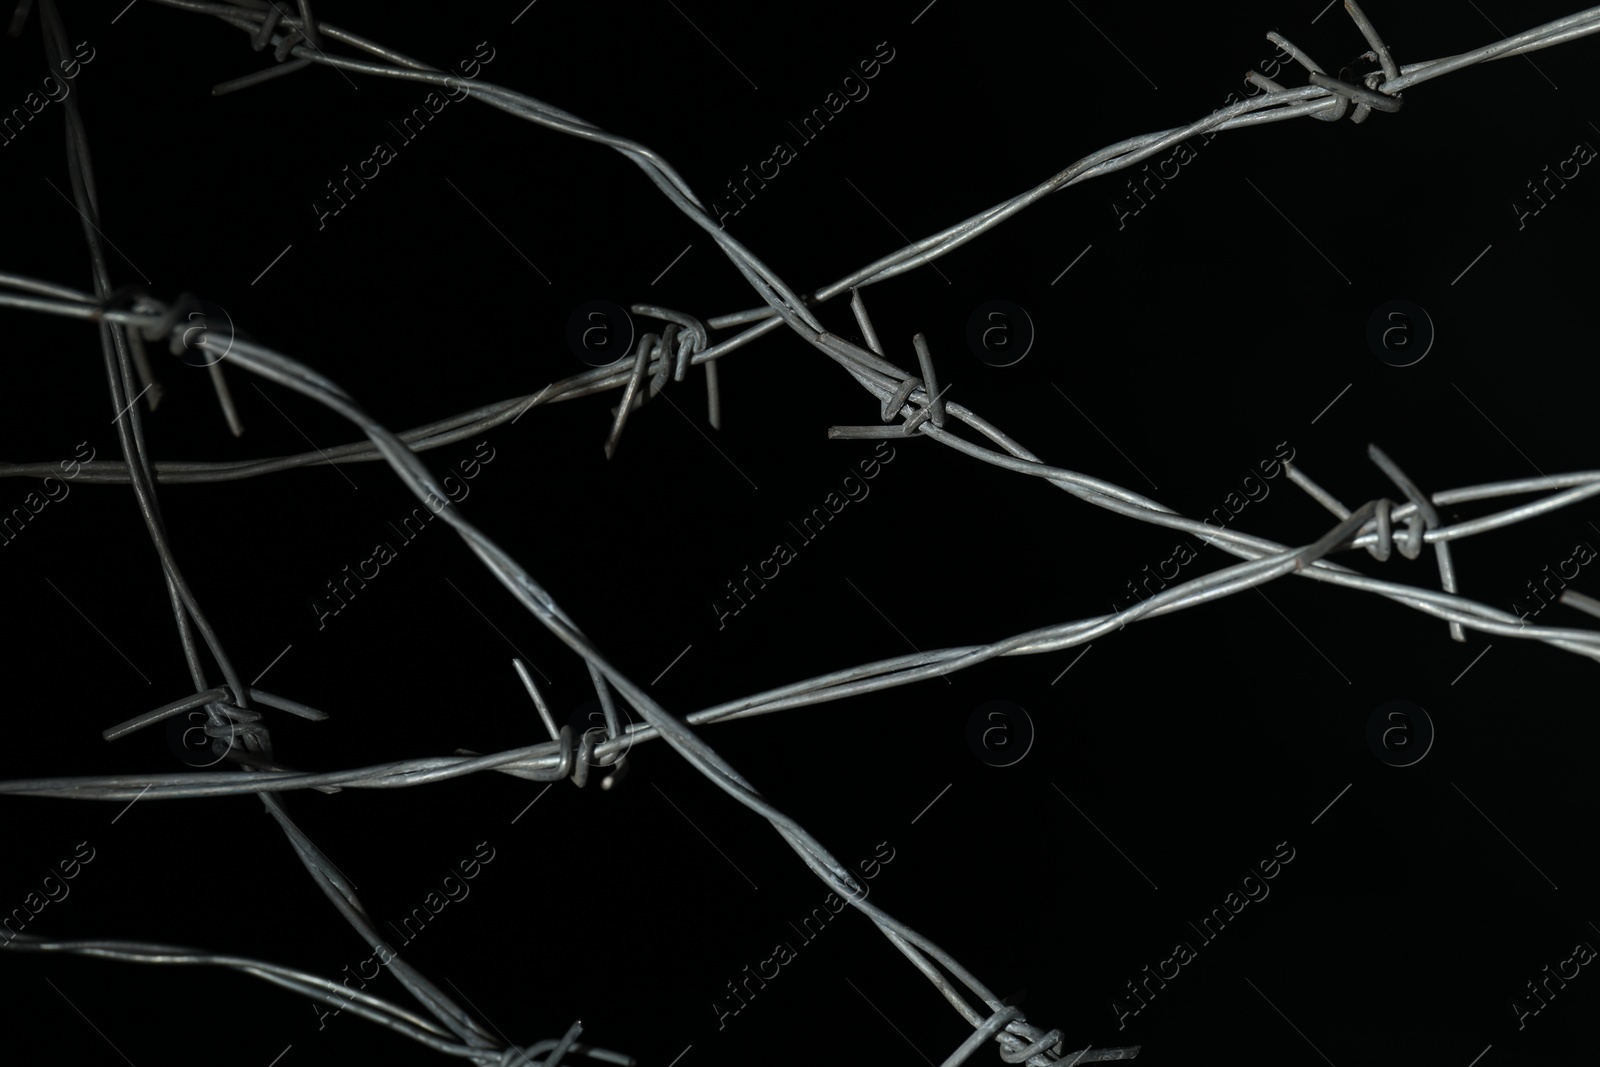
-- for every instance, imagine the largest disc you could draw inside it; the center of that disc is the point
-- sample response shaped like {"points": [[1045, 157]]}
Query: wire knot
{"points": [[271, 19], [1017, 1052], [229, 725], [1364, 98], [307, 31], [685, 333]]}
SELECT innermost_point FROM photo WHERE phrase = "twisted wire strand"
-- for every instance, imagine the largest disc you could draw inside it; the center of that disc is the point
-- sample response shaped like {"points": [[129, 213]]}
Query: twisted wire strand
{"points": [[233, 720], [278, 368], [545, 762], [314, 987], [1274, 105], [186, 610], [1578, 485], [919, 404]]}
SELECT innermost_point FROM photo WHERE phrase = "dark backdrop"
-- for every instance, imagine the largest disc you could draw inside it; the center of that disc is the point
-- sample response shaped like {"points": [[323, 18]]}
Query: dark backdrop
{"points": [[1187, 333]]}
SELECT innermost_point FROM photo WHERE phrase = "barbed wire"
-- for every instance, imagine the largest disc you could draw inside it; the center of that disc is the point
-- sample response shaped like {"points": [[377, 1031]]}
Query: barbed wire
{"points": [[684, 343]]}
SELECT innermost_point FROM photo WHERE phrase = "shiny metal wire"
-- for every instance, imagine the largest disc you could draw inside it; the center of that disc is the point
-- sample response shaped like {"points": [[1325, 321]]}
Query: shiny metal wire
{"points": [[127, 321]]}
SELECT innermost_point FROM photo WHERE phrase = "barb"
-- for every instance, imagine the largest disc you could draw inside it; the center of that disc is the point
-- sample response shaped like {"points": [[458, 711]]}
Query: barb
{"points": [[684, 343]]}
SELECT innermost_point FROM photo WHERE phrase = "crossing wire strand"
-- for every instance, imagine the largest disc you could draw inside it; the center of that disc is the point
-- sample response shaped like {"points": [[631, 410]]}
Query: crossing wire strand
{"points": [[916, 400]]}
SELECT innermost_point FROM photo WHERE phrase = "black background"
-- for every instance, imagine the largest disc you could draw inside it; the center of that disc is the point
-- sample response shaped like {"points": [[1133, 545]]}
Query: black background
{"points": [[1188, 344]]}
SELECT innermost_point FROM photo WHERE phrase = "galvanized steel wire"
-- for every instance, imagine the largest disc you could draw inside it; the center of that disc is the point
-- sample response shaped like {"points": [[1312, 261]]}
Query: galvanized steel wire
{"points": [[129, 319]]}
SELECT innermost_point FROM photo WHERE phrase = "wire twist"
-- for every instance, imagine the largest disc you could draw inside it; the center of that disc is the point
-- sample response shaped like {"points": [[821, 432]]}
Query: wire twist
{"points": [[680, 345]]}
